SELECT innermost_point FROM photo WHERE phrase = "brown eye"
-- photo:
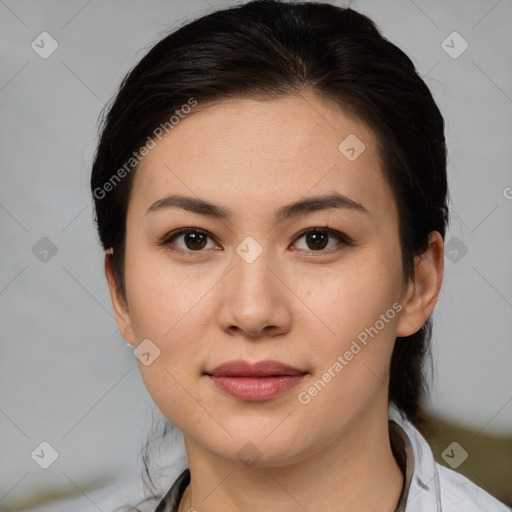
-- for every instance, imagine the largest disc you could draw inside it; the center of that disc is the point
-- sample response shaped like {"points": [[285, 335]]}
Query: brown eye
{"points": [[318, 239], [193, 240]]}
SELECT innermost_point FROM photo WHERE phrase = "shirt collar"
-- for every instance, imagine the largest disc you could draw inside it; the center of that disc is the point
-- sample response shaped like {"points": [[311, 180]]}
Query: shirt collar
{"points": [[424, 490]]}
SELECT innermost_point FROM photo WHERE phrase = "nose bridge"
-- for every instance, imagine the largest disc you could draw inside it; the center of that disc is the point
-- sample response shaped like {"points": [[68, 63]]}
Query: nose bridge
{"points": [[251, 298], [251, 261]]}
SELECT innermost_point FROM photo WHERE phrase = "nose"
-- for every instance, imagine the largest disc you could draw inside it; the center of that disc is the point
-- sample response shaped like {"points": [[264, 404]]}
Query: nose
{"points": [[254, 298]]}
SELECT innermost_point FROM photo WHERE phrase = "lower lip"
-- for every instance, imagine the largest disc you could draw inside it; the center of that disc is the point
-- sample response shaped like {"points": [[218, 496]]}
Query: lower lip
{"points": [[253, 389]]}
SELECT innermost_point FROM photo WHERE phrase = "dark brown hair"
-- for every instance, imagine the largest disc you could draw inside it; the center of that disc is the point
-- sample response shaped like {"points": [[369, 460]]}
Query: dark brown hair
{"points": [[266, 50]]}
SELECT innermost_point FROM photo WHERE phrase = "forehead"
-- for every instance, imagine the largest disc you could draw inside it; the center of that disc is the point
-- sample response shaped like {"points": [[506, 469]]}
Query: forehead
{"points": [[252, 153]]}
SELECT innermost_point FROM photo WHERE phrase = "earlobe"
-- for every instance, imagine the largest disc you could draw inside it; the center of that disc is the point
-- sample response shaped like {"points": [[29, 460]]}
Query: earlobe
{"points": [[119, 305], [423, 291]]}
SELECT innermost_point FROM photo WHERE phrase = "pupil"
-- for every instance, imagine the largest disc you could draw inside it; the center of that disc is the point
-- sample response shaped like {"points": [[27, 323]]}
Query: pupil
{"points": [[194, 240], [318, 240]]}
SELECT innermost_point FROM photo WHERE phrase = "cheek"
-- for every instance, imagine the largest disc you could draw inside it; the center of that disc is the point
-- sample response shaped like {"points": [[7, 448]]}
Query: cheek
{"points": [[357, 313], [160, 296], [169, 312], [357, 310], [345, 300]]}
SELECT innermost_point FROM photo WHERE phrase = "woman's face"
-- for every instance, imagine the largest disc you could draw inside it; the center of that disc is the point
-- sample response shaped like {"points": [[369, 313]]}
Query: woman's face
{"points": [[252, 285]]}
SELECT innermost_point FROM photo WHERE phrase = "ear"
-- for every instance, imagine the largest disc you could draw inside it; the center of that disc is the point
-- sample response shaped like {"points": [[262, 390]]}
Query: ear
{"points": [[119, 305], [423, 290]]}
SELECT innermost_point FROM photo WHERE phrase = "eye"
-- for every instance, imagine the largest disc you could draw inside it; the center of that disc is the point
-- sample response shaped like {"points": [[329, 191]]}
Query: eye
{"points": [[317, 239], [194, 239]]}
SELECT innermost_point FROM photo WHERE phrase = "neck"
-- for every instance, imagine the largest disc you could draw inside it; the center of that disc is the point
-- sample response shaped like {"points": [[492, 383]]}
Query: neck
{"points": [[356, 471]]}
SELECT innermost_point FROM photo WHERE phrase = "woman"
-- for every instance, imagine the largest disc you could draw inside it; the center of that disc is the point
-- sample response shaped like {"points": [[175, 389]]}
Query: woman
{"points": [[270, 189]]}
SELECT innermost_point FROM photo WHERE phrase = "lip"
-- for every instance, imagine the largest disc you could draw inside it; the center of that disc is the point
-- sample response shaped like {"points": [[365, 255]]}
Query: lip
{"points": [[255, 381], [267, 368]]}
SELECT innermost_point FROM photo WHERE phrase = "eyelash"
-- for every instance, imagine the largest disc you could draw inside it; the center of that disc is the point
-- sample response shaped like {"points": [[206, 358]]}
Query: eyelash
{"points": [[342, 238]]}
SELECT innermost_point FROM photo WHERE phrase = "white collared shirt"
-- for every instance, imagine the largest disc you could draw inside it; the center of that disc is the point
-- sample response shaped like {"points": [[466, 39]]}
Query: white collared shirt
{"points": [[435, 488]]}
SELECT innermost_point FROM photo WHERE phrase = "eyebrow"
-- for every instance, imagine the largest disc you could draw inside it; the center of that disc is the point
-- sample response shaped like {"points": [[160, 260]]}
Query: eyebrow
{"points": [[311, 204]]}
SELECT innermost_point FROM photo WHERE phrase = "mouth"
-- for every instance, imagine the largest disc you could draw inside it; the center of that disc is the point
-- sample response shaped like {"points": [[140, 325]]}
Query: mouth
{"points": [[255, 382]]}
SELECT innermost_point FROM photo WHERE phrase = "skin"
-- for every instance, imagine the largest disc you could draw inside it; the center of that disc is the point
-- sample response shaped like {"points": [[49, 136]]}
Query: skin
{"points": [[293, 304]]}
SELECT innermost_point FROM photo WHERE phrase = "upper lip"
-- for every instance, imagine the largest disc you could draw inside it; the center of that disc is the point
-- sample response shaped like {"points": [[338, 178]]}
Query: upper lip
{"points": [[240, 368]]}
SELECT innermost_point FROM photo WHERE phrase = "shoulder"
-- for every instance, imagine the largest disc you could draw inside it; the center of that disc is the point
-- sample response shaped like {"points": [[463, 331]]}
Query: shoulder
{"points": [[458, 493], [436, 488]]}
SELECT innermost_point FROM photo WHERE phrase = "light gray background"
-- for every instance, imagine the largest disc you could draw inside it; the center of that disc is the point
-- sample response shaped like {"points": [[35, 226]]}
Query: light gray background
{"points": [[66, 375]]}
